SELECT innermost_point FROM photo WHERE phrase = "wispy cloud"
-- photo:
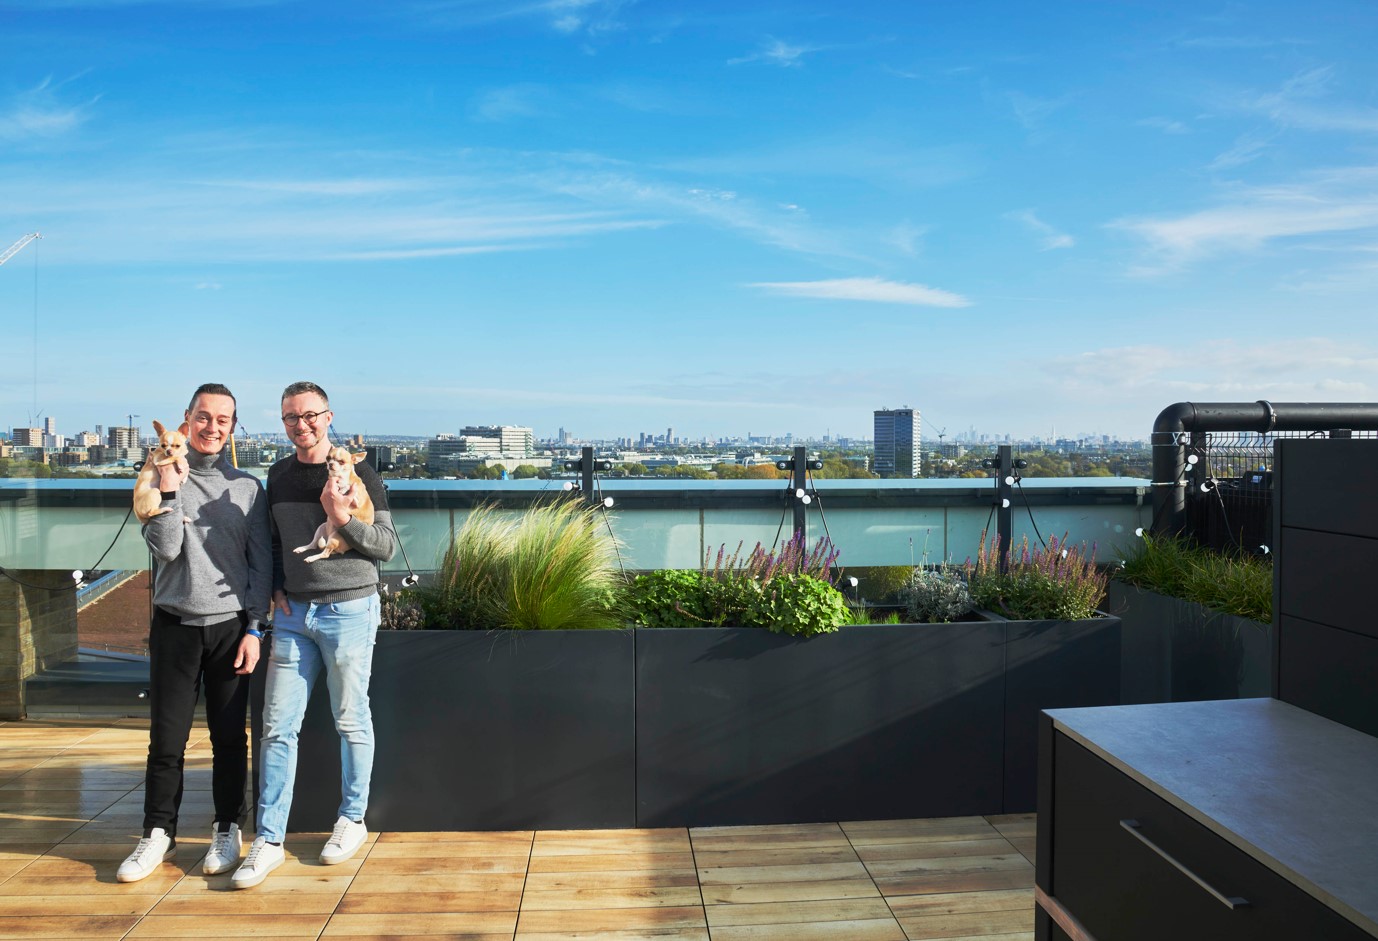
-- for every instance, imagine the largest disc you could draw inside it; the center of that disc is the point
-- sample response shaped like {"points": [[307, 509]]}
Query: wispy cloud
{"points": [[511, 103], [867, 289], [1227, 42], [1245, 150], [586, 18], [1305, 101], [1166, 125], [1298, 368], [451, 205], [1051, 238], [1326, 204], [778, 52], [1032, 112], [38, 114]]}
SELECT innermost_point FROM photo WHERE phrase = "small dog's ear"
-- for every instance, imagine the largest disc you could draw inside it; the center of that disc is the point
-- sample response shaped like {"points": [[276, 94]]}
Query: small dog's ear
{"points": [[158, 427], [185, 429], [356, 458]]}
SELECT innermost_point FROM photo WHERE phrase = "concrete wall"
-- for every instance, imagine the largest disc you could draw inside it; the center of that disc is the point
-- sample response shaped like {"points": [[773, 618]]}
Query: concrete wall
{"points": [[38, 630]]}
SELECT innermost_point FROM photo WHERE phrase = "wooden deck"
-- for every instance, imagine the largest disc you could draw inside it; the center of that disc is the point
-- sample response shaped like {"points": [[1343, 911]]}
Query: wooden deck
{"points": [[71, 806]]}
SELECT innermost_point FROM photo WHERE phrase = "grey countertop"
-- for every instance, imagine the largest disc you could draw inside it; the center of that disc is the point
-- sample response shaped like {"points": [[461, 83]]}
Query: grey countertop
{"points": [[1297, 792]]}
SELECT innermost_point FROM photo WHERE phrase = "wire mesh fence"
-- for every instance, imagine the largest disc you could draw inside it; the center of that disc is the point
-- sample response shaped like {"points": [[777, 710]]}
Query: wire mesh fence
{"points": [[1230, 500]]}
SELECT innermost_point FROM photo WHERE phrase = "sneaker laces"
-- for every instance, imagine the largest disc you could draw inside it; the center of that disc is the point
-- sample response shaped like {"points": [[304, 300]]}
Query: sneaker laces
{"points": [[337, 835], [259, 847], [142, 849], [222, 844]]}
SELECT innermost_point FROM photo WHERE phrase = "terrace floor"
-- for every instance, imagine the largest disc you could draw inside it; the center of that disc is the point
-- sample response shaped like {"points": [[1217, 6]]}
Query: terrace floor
{"points": [[71, 806]]}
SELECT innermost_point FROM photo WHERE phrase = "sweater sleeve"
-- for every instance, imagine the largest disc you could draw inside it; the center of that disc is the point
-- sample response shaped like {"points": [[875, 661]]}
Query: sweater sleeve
{"points": [[164, 533], [259, 550], [377, 542]]}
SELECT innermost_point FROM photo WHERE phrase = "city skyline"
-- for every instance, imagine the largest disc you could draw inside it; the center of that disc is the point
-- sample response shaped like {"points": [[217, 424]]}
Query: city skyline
{"points": [[613, 216]]}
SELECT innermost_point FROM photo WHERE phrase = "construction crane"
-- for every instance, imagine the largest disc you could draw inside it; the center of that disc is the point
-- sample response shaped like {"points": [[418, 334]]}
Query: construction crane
{"points": [[14, 249]]}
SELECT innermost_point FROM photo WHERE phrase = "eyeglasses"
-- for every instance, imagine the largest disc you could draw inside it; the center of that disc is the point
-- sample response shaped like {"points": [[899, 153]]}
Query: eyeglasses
{"points": [[309, 417]]}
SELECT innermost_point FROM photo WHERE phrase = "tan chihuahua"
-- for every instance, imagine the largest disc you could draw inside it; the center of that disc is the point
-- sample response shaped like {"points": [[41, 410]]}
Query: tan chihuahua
{"points": [[172, 447], [339, 465]]}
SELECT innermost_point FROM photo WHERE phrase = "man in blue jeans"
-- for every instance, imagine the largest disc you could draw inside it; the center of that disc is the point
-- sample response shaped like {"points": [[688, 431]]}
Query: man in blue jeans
{"points": [[325, 617]]}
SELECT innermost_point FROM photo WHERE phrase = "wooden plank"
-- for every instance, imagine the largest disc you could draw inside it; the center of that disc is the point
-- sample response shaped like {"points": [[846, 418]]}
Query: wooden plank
{"points": [[800, 912], [1065, 919], [89, 927], [228, 926], [474, 926], [789, 891]]}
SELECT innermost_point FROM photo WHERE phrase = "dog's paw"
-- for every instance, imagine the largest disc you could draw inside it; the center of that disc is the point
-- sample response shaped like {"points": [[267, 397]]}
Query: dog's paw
{"points": [[300, 549]]}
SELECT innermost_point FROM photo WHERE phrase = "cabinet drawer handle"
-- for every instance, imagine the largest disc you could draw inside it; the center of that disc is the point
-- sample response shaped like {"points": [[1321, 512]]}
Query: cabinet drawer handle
{"points": [[1232, 902]]}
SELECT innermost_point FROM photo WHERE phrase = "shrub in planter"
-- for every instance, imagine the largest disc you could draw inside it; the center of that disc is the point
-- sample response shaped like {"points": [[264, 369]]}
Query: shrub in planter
{"points": [[1053, 583], [552, 568], [788, 592], [936, 596], [1231, 582]]}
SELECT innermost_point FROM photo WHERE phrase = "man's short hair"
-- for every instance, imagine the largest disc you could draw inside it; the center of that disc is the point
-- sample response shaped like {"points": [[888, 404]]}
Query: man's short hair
{"points": [[214, 388], [301, 388]]}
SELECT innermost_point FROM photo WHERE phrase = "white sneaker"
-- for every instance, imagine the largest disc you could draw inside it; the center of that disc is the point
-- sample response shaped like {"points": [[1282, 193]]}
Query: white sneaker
{"points": [[152, 851], [344, 841], [225, 850], [263, 858]]}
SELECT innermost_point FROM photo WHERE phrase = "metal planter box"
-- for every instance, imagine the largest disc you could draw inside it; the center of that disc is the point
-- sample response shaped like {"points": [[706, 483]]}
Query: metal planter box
{"points": [[482, 731]]}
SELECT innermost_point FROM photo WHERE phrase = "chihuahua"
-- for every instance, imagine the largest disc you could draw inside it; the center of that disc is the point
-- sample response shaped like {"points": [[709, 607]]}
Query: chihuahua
{"points": [[339, 465], [172, 447]]}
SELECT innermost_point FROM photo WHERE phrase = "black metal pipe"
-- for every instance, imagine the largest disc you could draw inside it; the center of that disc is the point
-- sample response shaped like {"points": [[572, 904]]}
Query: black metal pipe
{"points": [[1175, 424]]}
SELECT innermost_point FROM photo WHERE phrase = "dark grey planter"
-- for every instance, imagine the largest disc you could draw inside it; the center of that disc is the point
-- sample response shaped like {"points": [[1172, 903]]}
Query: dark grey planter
{"points": [[1051, 665], [1180, 651], [508, 730], [742, 726]]}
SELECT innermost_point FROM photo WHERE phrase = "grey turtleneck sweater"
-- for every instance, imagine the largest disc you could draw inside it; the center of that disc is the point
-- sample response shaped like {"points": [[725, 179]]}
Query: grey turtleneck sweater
{"points": [[214, 550]]}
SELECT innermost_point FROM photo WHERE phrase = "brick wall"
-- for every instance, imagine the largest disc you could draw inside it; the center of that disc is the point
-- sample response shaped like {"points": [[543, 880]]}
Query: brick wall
{"points": [[38, 630]]}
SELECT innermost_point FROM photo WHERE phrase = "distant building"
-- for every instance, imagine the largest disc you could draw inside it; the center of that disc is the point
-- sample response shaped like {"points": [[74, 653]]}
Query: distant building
{"points": [[510, 439], [123, 437], [897, 447], [50, 425], [27, 437]]}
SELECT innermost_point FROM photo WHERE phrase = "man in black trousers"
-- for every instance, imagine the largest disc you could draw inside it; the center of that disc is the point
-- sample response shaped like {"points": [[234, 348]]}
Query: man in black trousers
{"points": [[210, 594]]}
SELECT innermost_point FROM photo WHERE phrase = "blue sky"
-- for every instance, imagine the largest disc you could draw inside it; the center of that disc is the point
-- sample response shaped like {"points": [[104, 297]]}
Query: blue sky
{"points": [[619, 217]]}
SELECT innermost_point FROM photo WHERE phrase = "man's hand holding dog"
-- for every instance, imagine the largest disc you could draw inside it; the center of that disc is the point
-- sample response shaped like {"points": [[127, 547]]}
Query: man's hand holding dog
{"points": [[172, 476], [337, 505]]}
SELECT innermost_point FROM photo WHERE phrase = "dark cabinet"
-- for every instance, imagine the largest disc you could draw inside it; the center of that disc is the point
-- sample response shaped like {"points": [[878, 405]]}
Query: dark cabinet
{"points": [[1243, 820], [1133, 868]]}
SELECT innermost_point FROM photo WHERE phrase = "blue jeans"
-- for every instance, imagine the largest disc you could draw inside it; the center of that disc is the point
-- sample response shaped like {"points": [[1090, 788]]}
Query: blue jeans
{"points": [[340, 638]]}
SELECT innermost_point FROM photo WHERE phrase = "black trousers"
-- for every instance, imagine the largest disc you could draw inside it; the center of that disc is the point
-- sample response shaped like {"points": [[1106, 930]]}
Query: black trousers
{"points": [[182, 659]]}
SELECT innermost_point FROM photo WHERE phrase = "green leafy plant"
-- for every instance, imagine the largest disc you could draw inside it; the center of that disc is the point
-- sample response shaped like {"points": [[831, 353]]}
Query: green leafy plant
{"points": [[1039, 584], [799, 605], [859, 615], [936, 596], [552, 567], [1232, 582], [670, 598], [788, 592]]}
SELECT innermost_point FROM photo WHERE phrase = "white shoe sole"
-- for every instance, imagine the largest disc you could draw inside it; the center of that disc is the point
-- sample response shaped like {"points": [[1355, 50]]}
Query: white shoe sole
{"points": [[342, 858], [136, 877], [211, 870], [251, 881]]}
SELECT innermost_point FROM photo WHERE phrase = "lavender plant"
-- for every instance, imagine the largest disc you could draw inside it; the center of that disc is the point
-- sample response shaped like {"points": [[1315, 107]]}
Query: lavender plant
{"points": [[1057, 582]]}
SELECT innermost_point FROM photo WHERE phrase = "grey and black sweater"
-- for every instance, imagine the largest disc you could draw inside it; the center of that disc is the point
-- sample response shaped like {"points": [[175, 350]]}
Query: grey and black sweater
{"points": [[294, 501], [219, 563]]}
